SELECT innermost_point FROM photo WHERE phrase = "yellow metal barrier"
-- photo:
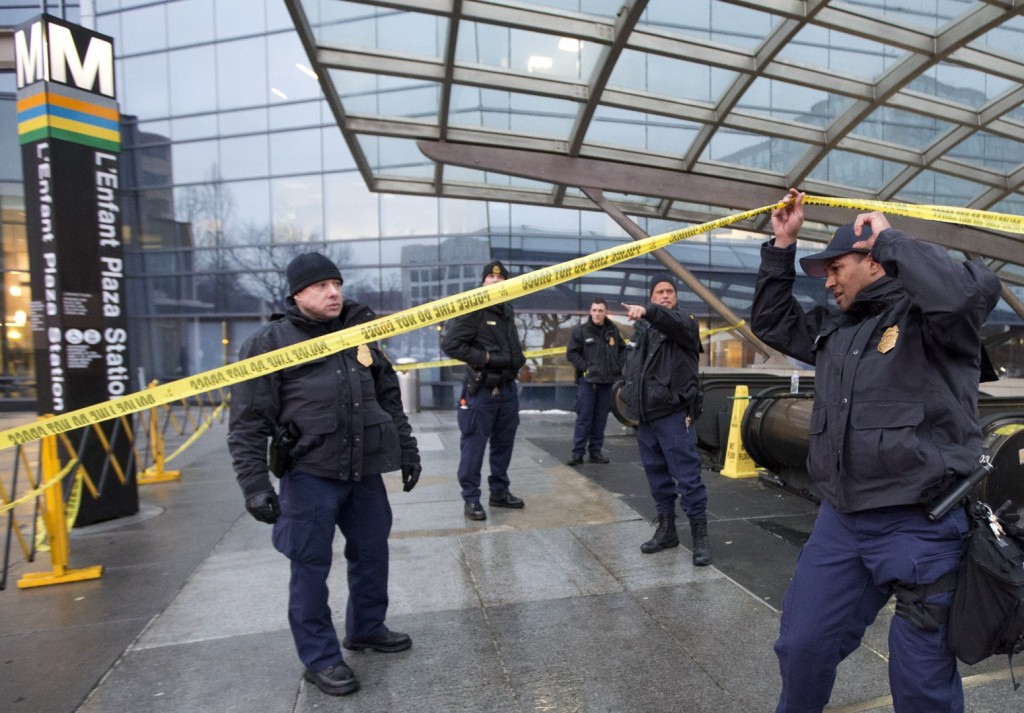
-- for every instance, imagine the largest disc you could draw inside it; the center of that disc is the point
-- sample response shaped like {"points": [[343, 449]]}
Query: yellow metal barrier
{"points": [[56, 524], [157, 473]]}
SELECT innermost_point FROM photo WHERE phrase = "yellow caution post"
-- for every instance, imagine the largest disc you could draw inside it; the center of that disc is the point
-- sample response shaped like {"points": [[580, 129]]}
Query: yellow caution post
{"points": [[156, 473], [738, 463], [56, 525]]}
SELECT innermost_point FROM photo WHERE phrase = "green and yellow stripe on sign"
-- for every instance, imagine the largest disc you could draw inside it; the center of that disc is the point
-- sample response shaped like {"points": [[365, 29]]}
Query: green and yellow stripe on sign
{"points": [[54, 111]]}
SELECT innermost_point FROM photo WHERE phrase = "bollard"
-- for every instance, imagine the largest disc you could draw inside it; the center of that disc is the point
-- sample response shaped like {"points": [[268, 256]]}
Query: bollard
{"points": [[409, 384]]}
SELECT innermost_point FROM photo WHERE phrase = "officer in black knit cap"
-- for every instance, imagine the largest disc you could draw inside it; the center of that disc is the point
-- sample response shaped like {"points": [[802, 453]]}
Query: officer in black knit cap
{"points": [[336, 424], [488, 342]]}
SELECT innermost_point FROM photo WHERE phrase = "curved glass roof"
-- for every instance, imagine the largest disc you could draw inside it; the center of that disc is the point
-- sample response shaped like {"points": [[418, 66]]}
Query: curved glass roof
{"points": [[671, 106]]}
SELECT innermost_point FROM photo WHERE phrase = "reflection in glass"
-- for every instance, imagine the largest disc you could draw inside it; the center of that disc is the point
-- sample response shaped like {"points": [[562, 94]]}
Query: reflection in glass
{"points": [[667, 76], [650, 132], [901, 127], [407, 215], [190, 22], [961, 85], [295, 151], [241, 84], [145, 81], [297, 210], [845, 168], [839, 52], [351, 210], [511, 111], [289, 70], [193, 85], [244, 157], [753, 150], [987, 149], [790, 102], [712, 20], [524, 51], [939, 189]]}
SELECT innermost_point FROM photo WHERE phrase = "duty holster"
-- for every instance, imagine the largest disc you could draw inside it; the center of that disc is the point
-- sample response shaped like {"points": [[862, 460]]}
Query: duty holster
{"points": [[279, 454], [476, 380], [911, 606]]}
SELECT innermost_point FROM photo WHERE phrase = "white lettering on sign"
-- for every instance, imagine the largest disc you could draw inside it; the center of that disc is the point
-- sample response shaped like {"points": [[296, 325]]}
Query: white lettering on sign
{"points": [[47, 52]]}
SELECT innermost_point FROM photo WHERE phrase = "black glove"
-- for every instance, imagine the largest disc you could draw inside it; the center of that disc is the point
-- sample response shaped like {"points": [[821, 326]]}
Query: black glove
{"points": [[410, 475], [264, 506], [500, 360]]}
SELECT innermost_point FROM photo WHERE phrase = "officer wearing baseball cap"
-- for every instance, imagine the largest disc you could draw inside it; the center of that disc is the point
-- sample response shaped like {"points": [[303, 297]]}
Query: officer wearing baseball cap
{"points": [[893, 426], [488, 342]]}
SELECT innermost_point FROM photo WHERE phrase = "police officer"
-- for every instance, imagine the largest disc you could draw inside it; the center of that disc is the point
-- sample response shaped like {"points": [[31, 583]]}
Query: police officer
{"points": [[894, 424], [488, 342], [662, 390], [597, 350], [344, 413]]}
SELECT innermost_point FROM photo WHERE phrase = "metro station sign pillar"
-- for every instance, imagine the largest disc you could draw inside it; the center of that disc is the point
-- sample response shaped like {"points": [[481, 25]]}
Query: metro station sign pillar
{"points": [[70, 136]]}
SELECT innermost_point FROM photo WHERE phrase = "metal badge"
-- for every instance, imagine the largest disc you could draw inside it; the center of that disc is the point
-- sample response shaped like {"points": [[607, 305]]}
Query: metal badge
{"points": [[889, 338], [363, 355]]}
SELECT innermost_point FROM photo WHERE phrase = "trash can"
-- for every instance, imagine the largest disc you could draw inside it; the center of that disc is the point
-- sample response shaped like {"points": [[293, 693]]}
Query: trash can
{"points": [[409, 384]]}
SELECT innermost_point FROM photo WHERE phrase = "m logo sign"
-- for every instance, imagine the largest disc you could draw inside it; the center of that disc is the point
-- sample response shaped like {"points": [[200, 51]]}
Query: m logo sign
{"points": [[50, 50]]}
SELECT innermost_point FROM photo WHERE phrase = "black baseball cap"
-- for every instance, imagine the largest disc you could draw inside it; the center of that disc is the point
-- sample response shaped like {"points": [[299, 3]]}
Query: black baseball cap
{"points": [[841, 244]]}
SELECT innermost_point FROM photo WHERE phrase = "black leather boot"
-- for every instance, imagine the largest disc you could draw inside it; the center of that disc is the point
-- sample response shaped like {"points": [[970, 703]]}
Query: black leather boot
{"points": [[664, 537], [701, 549]]}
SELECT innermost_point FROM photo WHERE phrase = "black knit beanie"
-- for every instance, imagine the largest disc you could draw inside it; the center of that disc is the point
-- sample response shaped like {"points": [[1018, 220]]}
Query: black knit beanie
{"points": [[494, 267], [662, 277], [307, 268]]}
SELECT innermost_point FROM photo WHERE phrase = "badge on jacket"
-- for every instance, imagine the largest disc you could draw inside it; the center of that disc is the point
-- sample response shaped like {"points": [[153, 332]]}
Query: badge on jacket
{"points": [[363, 355], [889, 338]]}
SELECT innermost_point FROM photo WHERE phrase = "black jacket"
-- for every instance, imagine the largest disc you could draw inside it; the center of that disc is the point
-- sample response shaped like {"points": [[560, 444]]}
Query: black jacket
{"points": [[662, 364], [491, 330], [895, 417], [597, 352], [349, 416]]}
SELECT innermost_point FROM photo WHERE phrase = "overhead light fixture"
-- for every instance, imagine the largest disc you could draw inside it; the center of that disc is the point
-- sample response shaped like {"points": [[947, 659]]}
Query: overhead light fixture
{"points": [[538, 63], [278, 93], [15, 290], [306, 70], [569, 44]]}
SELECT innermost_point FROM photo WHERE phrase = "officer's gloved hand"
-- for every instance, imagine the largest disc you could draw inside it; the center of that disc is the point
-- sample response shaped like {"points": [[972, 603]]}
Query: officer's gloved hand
{"points": [[500, 360], [410, 475], [264, 506]]}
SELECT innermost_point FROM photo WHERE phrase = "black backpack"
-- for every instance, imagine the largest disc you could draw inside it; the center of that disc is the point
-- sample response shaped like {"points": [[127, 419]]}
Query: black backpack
{"points": [[987, 614]]}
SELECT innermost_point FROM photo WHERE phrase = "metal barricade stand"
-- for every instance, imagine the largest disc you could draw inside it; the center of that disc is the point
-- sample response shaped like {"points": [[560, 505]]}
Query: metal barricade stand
{"points": [[56, 526]]}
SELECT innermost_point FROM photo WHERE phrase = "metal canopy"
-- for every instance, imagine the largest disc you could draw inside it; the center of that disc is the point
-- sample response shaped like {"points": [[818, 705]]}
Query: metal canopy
{"points": [[684, 110]]}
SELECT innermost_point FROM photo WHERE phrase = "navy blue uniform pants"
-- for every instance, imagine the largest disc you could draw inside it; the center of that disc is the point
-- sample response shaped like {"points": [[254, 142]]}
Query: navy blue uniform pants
{"points": [[311, 508], [593, 402], [487, 417], [844, 576], [668, 450]]}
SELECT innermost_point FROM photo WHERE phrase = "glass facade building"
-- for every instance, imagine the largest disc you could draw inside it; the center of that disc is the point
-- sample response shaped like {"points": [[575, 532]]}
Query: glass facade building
{"points": [[248, 137]]}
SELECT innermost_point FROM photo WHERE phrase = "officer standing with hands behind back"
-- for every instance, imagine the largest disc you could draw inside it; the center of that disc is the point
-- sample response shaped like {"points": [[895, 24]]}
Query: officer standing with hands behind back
{"points": [[343, 418], [596, 350], [893, 426], [488, 342]]}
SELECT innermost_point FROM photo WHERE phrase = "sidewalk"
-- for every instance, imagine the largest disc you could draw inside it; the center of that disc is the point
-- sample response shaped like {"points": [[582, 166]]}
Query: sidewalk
{"points": [[551, 608]]}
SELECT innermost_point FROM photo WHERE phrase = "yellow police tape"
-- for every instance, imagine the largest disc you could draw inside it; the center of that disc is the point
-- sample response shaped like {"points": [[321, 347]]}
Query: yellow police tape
{"points": [[447, 308], [534, 353]]}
